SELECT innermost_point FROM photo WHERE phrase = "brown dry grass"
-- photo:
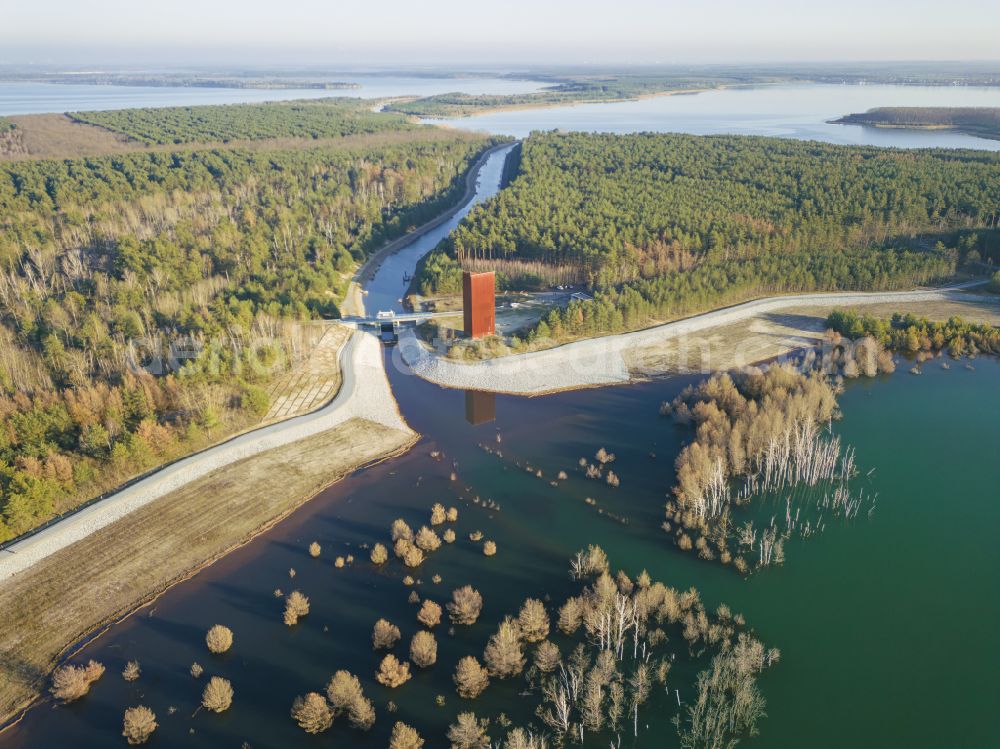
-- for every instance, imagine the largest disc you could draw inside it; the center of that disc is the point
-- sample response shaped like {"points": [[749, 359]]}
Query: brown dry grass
{"points": [[773, 334], [56, 136], [47, 609]]}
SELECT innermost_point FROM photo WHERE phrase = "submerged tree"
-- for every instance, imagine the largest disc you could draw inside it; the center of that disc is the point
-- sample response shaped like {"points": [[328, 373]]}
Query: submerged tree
{"points": [[132, 671], [347, 698], [385, 634], [139, 724], [404, 737], [312, 713], [429, 614], [400, 530], [70, 683], [219, 639], [471, 679], [218, 695], [427, 540], [503, 655], [438, 514], [296, 606], [466, 603], [547, 656], [392, 672], [533, 620], [379, 554], [423, 649], [467, 732]]}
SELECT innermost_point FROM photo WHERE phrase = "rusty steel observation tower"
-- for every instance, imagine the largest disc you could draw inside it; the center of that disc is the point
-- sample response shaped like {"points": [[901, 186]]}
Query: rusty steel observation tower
{"points": [[478, 303]]}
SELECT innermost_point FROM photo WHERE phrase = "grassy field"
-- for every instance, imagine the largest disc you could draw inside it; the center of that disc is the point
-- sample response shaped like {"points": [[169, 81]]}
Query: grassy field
{"points": [[47, 609]]}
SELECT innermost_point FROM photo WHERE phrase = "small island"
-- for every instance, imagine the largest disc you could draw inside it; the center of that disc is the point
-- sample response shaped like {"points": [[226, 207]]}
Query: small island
{"points": [[983, 122]]}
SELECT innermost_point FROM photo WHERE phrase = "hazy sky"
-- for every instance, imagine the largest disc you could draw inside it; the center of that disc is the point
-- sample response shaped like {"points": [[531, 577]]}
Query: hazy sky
{"points": [[471, 31]]}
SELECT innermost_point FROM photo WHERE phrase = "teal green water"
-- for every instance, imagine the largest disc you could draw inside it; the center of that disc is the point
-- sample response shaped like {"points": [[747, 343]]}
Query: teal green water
{"points": [[886, 624]]}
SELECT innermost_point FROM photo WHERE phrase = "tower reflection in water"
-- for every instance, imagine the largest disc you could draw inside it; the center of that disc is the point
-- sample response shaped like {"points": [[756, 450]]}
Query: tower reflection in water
{"points": [[480, 407]]}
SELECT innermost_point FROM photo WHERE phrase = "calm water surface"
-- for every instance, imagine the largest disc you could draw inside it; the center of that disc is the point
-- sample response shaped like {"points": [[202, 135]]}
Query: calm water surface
{"points": [[886, 624], [788, 111], [32, 98]]}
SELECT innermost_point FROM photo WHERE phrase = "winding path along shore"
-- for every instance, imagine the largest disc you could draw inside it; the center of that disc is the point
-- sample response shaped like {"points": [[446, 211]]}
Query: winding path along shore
{"points": [[364, 394], [605, 361]]}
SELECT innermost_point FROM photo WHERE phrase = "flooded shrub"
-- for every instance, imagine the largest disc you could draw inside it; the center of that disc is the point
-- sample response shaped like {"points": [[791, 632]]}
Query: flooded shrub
{"points": [[296, 606], [603, 456], [219, 639], [312, 713], [361, 714], [70, 683], [404, 737], [408, 581], [468, 733], [547, 656], [449, 536], [612, 479], [520, 738], [423, 649], [346, 697], [400, 529], [438, 514], [139, 724], [427, 539], [589, 563], [452, 514], [503, 655], [132, 671], [533, 621], [429, 614], [385, 634], [489, 548], [476, 536], [466, 603], [196, 670], [411, 555], [315, 549], [562, 475], [414, 597], [218, 695], [471, 679], [339, 563], [392, 672], [379, 555]]}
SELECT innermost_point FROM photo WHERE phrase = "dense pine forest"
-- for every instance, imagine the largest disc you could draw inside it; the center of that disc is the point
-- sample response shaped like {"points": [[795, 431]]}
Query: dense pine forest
{"points": [[322, 118], [981, 121], [665, 225], [104, 261]]}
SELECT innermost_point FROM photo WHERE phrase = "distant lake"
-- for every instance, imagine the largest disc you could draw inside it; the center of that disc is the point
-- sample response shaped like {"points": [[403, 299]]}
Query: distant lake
{"points": [[799, 111], [35, 98]]}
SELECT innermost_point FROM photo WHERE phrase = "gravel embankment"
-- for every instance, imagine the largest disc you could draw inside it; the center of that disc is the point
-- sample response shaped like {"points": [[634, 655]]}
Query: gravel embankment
{"points": [[600, 361], [364, 393]]}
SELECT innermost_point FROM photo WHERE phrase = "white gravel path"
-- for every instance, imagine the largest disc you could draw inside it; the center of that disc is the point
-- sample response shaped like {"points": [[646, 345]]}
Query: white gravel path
{"points": [[600, 361], [364, 393]]}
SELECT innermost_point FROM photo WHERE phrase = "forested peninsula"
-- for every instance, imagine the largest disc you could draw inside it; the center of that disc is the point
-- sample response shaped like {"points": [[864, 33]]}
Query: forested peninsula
{"points": [[983, 122], [662, 226]]}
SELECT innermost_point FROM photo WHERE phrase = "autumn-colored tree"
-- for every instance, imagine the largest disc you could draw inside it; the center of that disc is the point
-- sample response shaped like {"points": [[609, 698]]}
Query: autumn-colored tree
{"points": [[465, 605], [392, 672], [132, 671], [346, 697], [533, 620], [401, 530], [449, 536], [471, 679], [379, 554], [438, 514], [404, 737], [429, 614], [312, 713], [70, 683], [296, 606], [489, 548], [385, 634], [467, 732], [423, 649], [139, 724], [219, 639], [218, 695], [428, 540], [547, 656], [503, 655]]}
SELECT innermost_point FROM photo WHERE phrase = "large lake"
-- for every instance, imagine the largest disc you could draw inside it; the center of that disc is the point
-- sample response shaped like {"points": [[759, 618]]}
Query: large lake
{"points": [[34, 98], [788, 111]]}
